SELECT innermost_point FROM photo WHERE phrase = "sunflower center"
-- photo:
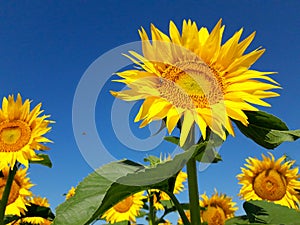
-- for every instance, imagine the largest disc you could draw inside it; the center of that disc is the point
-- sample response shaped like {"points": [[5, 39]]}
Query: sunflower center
{"points": [[124, 205], [14, 135], [191, 84], [14, 193], [270, 185], [213, 215]]}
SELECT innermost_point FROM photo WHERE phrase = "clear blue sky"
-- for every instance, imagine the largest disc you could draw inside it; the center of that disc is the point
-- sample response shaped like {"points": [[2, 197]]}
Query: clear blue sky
{"points": [[46, 46]]}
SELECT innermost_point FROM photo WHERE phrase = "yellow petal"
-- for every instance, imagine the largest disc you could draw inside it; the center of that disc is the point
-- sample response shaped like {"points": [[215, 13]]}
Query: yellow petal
{"points": [[174, 33], [143, 111], [187, 123], [172, 118]]}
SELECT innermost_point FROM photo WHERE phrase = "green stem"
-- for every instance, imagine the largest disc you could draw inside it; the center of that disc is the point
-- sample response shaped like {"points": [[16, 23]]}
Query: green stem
{"points": [[6, 193], [193, 191], [179, 208], [151, 209], [192, 181]]}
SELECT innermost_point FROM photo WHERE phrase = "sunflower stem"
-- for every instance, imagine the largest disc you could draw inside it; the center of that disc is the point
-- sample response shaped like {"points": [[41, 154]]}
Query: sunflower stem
{"points": [[6, 193], [151, 210], [191, 167], [193, 191], [179, 208]]}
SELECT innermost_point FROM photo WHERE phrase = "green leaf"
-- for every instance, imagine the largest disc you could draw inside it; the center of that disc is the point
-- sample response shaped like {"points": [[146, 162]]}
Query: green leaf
{"points": [[266, 130], [205, 152], [167, 204], [33, 210], [270, 213], [45, 160], [113, 182], [153, 160], [39, 211], [172, 139], [10, 218], [238, 220]]}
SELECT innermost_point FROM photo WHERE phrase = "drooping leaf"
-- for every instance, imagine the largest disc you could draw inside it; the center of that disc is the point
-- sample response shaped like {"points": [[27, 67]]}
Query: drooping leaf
{"points": [[44, 160], [270, 213], [33, 210], [266, 130], [113, 182], [10, 218]]}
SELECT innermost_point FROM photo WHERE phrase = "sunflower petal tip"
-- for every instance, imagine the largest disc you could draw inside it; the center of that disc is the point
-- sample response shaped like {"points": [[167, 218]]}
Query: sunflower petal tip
{"points": [[113, 93]]}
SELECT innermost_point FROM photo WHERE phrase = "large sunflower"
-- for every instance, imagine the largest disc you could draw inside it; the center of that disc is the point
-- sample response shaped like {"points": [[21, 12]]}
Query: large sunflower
{"points": [[195, 77], [21, 131], [270, 180], [20, 191], [126, 210], [218, 208]]}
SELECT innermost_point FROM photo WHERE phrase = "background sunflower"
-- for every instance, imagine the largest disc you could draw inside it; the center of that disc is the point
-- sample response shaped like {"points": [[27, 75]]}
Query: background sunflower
{"points": [[271, 180], [20, 191], [127, 209], [21, 131], [219, 208]]}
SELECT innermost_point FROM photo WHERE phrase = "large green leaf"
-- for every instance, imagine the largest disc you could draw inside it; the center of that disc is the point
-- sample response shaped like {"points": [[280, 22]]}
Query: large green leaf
{"points": [[267, 130], [113, 182], [238, 220], [270, 213]]}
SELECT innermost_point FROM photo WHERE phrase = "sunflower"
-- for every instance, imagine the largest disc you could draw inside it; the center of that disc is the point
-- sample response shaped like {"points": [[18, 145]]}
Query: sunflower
{"points": [[161, 196], [21, 131], [36, 220], [270, 180], [70, 193], [218, 208], [20, 191], [126, 210], [195, 77]]}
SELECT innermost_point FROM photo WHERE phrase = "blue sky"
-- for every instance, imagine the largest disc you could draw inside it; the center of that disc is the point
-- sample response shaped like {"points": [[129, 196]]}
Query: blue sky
{"points": [[46, 47]]}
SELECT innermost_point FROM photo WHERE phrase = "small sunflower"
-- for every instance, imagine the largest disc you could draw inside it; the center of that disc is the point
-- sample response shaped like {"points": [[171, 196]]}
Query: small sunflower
{"points": [[270, 180], [36, 220], [20, 191], [21, 131], [194, 76], [126, 210], [218, 208], [70, 193]]}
